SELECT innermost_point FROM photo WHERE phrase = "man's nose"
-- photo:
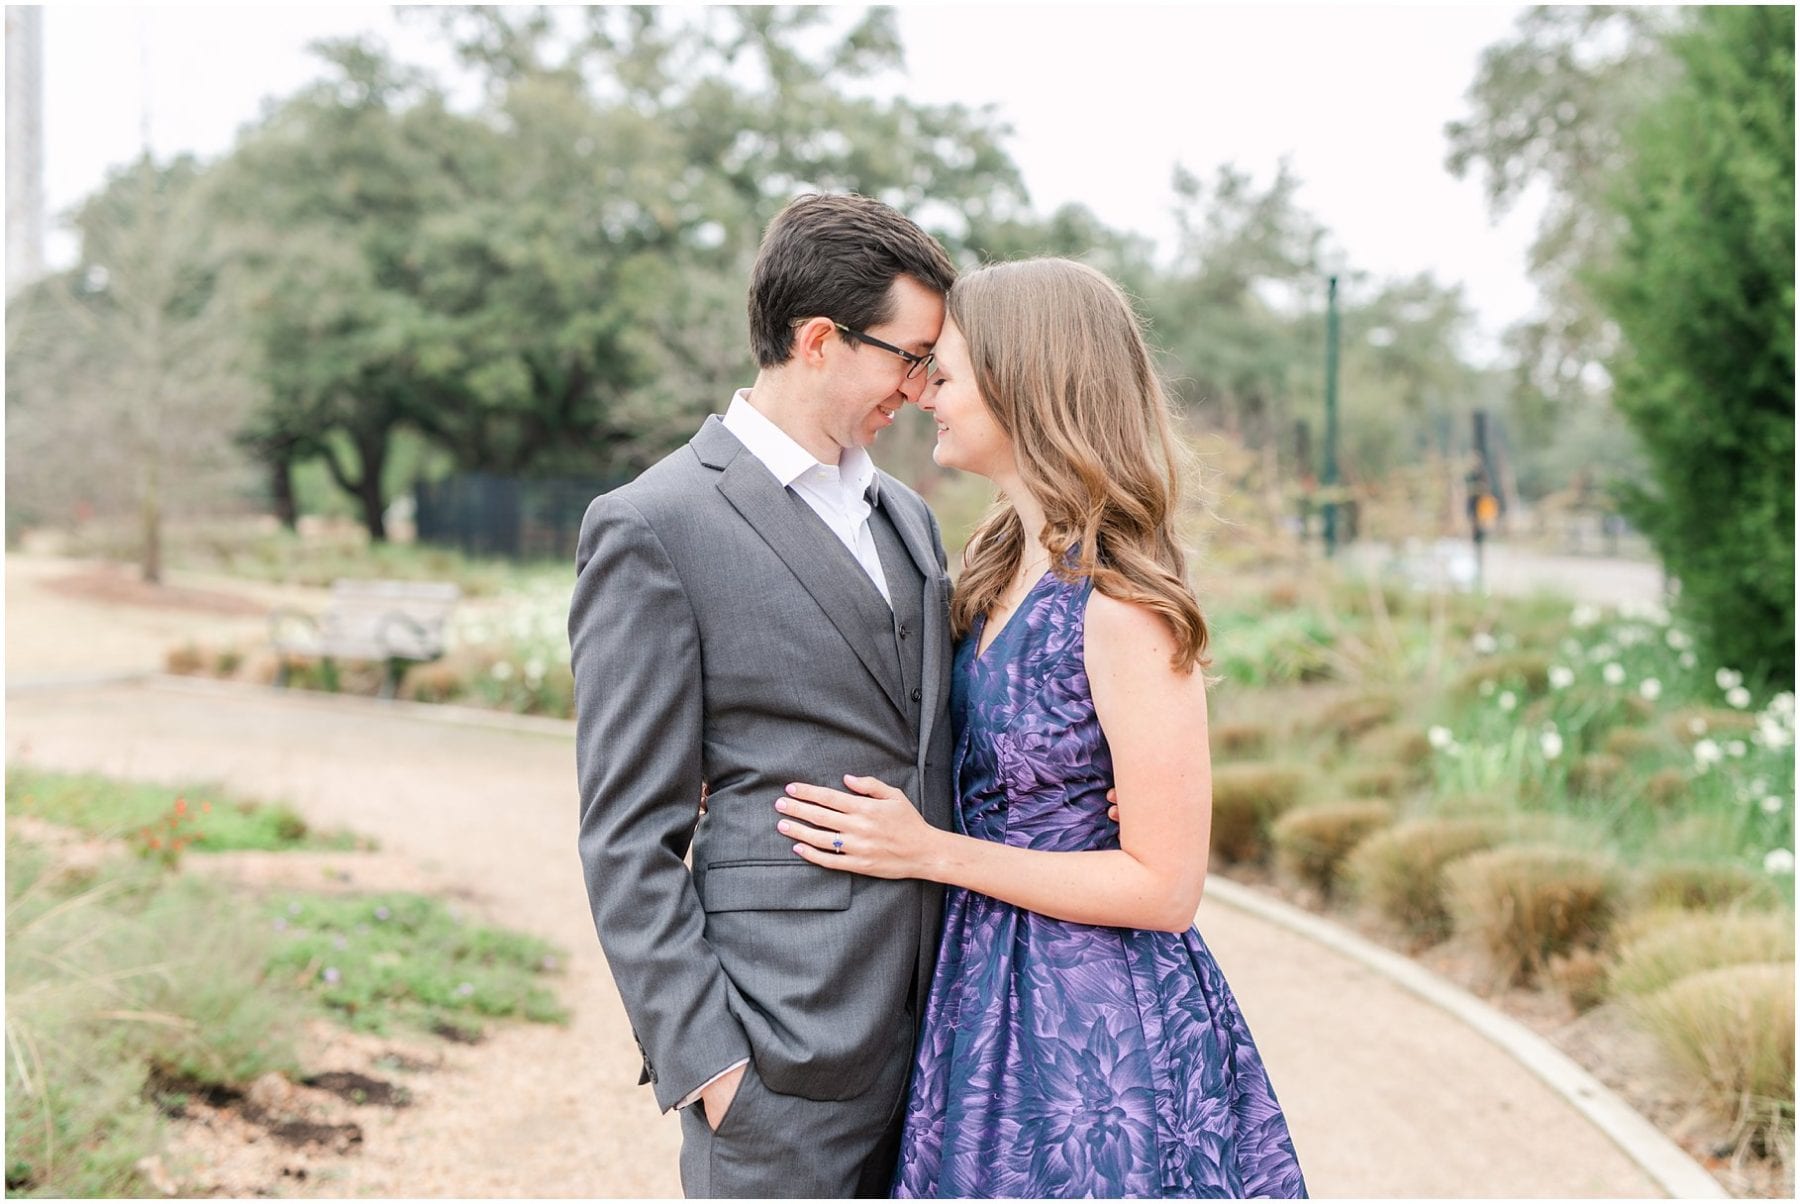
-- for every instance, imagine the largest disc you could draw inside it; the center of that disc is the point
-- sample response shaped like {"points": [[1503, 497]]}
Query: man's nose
{"points": [[913, 389]]}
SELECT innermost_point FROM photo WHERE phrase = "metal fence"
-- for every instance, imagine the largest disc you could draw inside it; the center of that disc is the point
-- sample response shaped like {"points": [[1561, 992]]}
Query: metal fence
{"points": [[518, 518]]}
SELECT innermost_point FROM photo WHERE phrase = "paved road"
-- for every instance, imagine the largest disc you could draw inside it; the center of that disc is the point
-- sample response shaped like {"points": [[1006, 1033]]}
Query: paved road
{"points": [[1386, 1095], [1517, 572]]}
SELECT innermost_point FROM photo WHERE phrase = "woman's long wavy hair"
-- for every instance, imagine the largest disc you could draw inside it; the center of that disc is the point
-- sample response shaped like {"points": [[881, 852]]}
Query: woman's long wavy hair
{"points": [[1061, 361]]}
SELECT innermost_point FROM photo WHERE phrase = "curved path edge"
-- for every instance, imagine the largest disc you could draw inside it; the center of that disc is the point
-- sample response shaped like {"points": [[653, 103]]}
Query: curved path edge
{"points": [[1653, 1151]]}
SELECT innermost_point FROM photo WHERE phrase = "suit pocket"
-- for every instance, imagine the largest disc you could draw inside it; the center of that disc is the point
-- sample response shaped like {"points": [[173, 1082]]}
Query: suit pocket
{"points": [[773, 886]]}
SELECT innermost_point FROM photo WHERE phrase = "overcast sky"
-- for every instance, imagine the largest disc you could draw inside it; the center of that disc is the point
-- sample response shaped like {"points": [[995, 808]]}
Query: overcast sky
{"points": [[1103, 101]]}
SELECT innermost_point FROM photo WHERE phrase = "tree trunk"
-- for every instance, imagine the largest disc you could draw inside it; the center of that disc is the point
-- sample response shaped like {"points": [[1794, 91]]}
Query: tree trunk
{"points": [[372, 449], [281, 492]]}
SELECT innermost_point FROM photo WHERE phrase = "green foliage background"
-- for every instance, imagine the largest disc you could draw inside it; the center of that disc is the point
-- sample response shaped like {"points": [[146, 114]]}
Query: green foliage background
{"points": [[1703, 293]]}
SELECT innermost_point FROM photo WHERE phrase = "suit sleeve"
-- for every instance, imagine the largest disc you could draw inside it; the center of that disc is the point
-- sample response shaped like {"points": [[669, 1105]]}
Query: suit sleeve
{"points": [[635, 653]]}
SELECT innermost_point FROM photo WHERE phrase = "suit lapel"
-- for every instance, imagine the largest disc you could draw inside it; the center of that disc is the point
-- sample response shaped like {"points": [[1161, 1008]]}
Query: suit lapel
{"points": [[853, 606], [934, 649]]}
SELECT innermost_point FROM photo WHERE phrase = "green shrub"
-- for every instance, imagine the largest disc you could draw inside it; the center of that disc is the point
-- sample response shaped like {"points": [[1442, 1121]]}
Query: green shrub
{"points": [[111, 974], [1399, 871], [1729, 1033], [1246, 798], [1312, 842], [1680, 947], [1526, 903]]}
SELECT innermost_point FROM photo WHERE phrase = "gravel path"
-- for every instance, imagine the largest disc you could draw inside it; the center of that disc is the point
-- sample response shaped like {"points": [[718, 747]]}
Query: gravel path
{"points": [[1386, 1095]]}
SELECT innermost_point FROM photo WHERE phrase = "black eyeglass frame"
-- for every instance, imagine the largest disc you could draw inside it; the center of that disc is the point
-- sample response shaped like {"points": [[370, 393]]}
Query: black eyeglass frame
{"points": [[915, 363]]}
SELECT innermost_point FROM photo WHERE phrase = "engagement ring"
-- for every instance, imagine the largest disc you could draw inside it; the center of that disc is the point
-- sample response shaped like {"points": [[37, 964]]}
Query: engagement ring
{"points": [[838, 844]]}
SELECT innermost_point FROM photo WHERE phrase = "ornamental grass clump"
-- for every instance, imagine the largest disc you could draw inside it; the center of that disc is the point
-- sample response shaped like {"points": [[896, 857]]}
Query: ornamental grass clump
{"points": [[1525, 671], [1630, 743], [1376, 781], [1528, 903], [1239, 740], [1246, 799], [1348, 719], [1403, 746], [1399, 871], [1312, 842], [1701, 886], [1673, 950], [1729, 1033], [1596, 774]]}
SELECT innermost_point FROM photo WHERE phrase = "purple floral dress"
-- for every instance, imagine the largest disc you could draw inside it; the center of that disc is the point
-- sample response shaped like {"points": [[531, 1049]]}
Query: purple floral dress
{"points": [[1059, 1059]]}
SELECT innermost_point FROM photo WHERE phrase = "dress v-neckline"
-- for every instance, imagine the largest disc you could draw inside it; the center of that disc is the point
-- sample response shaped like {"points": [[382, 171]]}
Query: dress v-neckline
{"points": [[980, 651]]}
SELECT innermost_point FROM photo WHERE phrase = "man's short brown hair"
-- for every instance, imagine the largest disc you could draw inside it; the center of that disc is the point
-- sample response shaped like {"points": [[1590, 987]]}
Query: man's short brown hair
{"points": [[835, 257]]}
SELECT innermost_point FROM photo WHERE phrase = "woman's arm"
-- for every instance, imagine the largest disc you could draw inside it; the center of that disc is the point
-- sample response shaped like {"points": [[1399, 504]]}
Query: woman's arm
{"points": [[1155, 723]]}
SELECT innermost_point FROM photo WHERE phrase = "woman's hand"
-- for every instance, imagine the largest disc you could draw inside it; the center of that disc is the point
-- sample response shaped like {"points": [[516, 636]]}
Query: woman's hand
{"points": [[875, 831]]}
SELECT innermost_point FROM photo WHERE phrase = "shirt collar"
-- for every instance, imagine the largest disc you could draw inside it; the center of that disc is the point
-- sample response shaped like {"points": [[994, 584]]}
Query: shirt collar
{"points": [[786, 459]]}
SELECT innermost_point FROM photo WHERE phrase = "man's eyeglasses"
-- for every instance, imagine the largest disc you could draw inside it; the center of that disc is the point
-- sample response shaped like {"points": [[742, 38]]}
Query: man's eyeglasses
{"points": [[915, 363]]}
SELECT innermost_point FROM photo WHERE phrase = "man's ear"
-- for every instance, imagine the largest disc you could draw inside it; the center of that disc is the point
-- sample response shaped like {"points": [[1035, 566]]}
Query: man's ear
{"points": [[809, 339]]}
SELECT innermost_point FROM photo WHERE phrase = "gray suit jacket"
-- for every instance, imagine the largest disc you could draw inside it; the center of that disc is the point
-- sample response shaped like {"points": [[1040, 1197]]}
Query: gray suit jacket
{"points": [[715, 641]]}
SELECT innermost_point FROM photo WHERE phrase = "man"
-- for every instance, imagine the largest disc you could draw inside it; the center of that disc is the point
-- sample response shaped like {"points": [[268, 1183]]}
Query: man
{"points": [[762, 607]]}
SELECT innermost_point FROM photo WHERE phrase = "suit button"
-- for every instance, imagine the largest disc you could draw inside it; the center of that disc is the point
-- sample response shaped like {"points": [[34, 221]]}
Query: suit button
{"points": [[917, 694], [903, 631]]}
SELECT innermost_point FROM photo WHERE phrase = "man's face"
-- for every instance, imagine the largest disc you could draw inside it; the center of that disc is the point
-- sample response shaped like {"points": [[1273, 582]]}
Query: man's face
{"points": [[866, 385]]}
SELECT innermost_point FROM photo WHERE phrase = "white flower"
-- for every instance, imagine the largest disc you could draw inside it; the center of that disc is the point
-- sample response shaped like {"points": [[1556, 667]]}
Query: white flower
{"points": [[1584, 615], [1602, 652], [1678, 639], [1778, 861], [1773, 804], [1708, 753], [1696, 726], [1561, 677], [1736, 748], [1571, 647], [1728, 680], [1650, 688], [1486, 689], [1758, 785], [1783, 705], [534, 668], [1440, 737], [1771, 734], [1551, 742], [1738, 697], [1688, 660], [1614, 673], [1508, 700], [1484, 643], [502, 671]]}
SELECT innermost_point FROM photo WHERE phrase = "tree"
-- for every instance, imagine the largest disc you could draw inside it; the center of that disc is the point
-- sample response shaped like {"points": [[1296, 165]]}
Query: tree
{"points": [[1548, 108], [124, 387], [1702, 289]]}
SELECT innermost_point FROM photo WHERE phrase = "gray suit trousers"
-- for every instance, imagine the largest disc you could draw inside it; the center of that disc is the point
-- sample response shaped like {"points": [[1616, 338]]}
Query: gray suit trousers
{"points": [[774, 1146]]}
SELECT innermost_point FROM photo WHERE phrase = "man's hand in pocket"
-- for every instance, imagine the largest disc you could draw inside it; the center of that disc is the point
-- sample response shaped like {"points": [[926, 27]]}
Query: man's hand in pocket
{"points": [[718, 1095]]}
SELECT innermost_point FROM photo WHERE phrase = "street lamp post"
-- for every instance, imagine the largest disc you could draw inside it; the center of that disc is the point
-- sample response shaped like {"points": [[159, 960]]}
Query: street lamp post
{"points": [[1328, 479]]}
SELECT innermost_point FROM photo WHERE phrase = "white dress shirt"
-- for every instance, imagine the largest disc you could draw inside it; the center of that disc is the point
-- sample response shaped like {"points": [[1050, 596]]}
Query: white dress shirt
{"points": [[838, 493]]}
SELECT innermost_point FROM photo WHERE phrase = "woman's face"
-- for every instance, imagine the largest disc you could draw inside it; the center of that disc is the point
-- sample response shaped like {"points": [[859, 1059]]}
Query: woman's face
{"points": [[968, 437]]}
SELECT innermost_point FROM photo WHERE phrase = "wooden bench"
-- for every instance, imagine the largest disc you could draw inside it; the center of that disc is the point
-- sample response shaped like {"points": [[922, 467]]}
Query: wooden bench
{"points": [[399, 623]]}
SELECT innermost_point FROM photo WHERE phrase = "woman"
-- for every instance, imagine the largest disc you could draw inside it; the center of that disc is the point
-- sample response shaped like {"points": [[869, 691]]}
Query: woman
{"points": [[1079, 1039]]}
